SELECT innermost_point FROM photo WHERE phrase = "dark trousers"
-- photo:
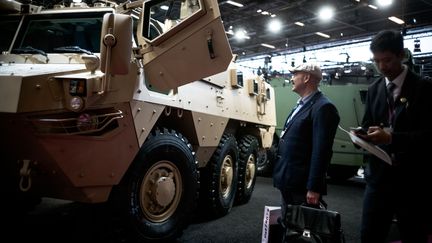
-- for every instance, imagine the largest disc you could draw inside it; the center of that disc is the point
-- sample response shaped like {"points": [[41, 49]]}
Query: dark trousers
{"points": [[288, 197], [380, 206]]}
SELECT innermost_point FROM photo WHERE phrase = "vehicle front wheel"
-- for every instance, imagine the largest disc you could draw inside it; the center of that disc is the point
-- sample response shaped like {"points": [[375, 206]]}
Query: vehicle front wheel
{"points": [[159, 192]]}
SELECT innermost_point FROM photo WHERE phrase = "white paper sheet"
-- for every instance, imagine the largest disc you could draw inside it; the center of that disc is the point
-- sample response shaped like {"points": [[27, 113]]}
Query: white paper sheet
{"points": [[371, 148]]}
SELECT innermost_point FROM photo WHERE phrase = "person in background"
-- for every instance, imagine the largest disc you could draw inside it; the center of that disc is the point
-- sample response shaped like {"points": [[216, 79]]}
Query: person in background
{"points": [[305, 146], [398, 119]]}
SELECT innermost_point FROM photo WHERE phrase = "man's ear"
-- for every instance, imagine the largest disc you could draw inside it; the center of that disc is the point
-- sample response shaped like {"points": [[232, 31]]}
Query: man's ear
{"points": [[306, 78]]}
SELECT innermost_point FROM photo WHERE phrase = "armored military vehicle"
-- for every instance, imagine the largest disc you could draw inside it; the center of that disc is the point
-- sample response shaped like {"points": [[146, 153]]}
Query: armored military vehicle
{"points": [[346, 85], [138, 104]]}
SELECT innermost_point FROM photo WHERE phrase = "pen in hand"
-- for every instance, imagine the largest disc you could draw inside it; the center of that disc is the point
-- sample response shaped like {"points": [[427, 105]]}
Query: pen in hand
{"points": [[377, 135]]}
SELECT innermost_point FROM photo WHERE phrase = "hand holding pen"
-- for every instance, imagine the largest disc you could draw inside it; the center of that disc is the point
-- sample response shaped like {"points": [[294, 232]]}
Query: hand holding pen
{"points": [[374, 134]]}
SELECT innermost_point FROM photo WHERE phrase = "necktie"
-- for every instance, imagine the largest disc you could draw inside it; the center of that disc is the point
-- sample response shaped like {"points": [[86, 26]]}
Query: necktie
{"points": [[390, 99]]}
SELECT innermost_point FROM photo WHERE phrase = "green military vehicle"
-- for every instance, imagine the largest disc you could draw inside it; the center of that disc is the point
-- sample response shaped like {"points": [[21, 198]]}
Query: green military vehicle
{"points": [[138, 104]]}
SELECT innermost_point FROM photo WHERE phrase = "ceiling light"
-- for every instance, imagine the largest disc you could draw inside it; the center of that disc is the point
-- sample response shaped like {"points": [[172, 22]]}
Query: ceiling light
{"points": [[372, 6], [385, 3], [259, 10], [273, 15], [396, 20], [241, 34], [275, 26], [235, 3], [268, 46], [164, 7], [326, 13], [230, 32], [265, 13], [322, 34], [299, 24]]}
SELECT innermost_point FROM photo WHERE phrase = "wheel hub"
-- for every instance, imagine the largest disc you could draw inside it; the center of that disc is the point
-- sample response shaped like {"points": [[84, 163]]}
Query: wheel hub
{"points": [[227, 174], [164, 191], [250, 171], [161, 191]]}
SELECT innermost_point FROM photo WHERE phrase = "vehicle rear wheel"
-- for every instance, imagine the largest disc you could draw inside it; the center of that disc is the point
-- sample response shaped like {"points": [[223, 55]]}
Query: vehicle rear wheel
{"points": [[248, 147], [159, 192], [265, 163], [219, 179]]}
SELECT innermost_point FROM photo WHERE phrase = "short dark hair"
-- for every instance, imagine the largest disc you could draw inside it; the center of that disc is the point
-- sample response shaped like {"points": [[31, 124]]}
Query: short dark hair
{"points": [[387, 40]]}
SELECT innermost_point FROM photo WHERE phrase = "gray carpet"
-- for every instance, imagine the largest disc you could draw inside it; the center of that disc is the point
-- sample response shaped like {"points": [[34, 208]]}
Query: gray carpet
{"points": [[244, 222], [64, 221]]}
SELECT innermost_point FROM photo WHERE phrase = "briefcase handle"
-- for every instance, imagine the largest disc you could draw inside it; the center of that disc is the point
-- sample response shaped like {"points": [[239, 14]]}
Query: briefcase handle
{"points": [[320, 205]]}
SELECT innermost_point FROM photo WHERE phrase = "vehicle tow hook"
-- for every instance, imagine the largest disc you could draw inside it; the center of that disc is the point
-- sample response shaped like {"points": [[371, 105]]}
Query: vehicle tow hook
{"points": [[25, 181]]}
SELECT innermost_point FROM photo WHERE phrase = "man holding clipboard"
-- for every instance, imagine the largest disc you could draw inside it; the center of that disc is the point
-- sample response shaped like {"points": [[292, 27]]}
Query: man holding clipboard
{"points": [[398, 119]]}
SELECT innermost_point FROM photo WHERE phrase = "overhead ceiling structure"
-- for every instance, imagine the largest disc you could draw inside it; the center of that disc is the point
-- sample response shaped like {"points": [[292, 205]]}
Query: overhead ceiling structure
{"points": [[352, 20]]}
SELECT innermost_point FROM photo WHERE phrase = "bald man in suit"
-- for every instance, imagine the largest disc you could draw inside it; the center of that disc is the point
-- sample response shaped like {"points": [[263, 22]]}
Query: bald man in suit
{"points": [[305, 146]]}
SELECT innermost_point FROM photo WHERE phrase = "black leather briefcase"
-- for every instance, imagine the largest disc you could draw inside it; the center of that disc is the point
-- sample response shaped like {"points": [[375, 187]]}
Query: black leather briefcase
{"points": [[312, 225]]}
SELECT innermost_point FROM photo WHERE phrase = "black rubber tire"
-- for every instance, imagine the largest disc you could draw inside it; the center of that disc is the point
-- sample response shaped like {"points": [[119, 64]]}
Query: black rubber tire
{"points": [[247, 173], [217, 191], [263, 162], [158, 195], [266, 163]]}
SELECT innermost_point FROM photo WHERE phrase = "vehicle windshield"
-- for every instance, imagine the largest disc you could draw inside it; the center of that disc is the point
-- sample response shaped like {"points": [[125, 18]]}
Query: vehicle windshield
{"points": [[50, 33], [8, 27]]}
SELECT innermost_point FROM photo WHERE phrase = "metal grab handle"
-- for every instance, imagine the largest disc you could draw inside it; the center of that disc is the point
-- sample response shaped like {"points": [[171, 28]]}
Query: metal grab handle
{"points": [[210, 46], [69, 126]]}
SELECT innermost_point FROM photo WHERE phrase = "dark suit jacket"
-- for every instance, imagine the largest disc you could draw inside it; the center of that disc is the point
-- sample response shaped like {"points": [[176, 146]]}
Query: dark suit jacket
{"points": [[305, 149], [412, 132]]}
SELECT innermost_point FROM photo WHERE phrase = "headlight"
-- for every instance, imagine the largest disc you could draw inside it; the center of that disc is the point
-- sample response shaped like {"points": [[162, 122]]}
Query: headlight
{"points": [[76, 103]]}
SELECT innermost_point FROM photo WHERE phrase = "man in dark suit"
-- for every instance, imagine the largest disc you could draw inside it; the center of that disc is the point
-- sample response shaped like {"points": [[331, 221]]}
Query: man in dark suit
{"points": [[398, 119], [305, 146]]}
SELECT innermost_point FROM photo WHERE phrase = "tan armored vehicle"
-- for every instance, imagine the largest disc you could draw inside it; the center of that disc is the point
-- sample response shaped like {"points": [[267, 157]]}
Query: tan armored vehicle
{"points": [[138, 104]]}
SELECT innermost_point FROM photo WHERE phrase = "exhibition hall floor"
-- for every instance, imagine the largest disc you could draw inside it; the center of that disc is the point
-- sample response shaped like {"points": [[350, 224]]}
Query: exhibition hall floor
{"points": [[64, 221]]}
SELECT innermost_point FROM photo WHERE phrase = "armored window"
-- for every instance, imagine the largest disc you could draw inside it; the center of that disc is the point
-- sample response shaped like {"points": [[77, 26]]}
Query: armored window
{"points": [[59, 33], [166, 17]]}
